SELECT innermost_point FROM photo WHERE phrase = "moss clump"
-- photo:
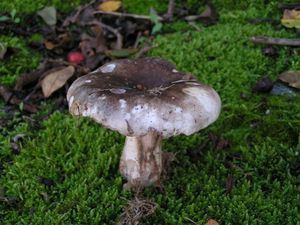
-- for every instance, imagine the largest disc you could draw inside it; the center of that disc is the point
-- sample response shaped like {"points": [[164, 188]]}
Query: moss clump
{"points": [[32, 6], [24, 60]]}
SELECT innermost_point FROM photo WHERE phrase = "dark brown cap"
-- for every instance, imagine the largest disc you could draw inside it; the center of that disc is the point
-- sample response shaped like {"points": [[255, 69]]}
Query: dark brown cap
{"points": [[136, 96]]}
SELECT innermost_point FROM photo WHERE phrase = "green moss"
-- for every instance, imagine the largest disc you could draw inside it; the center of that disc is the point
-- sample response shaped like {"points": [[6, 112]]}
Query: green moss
{"points": [[263, 131], [32, 6], [24, 60], [143, 7]]}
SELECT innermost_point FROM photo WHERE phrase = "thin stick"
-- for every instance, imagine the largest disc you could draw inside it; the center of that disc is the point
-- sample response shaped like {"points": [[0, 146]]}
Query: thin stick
{"points": [[289, 6], [145, 49], [171, 7], [119, 43], [193, 24], [276, 41], [135, 16]]}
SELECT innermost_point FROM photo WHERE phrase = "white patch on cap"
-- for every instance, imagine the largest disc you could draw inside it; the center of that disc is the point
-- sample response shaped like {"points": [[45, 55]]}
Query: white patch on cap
{"points": [[88, 81], [137, 109], [174, 71], [102, 97], [108, 68], [210, 101], [90, 111], [71, 100], [117, 91], [123, 103]]}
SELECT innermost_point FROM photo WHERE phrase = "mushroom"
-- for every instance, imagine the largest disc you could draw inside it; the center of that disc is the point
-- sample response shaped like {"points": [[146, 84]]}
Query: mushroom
{"points": [[146, 100]]}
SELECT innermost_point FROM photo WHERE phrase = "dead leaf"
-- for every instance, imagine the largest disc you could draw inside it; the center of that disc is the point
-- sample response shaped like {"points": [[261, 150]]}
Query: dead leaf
{"points": [[291, 77], [209, 16], [110, 6], [291, 18], [33, 76], [212, 222], [263, 85], [90, 45], [61, 40], [56, 79], [9, 97], [48, 14]]}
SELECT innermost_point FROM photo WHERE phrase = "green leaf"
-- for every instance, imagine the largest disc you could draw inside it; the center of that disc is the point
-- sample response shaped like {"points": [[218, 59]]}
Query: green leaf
{"points": [[48, 14], [13, 13], [156, 28], [4, 18], [17, 20]]}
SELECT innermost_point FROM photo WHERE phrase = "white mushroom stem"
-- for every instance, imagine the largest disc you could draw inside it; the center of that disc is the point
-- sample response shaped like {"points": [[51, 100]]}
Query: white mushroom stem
{"points": [[141, 160]]}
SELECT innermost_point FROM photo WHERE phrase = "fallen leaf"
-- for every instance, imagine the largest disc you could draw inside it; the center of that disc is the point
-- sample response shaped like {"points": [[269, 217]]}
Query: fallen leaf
{"points": [[209, 16], [110, 6], [61, 40], [291, 18], [212, 222], [263, 85], [90, 45], [280, 88], [56, 79], [9, 97], [48, 14], [291, 77]]}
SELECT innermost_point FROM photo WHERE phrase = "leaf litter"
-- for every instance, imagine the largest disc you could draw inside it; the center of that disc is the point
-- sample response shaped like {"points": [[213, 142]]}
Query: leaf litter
{"points": [[83, 40]]}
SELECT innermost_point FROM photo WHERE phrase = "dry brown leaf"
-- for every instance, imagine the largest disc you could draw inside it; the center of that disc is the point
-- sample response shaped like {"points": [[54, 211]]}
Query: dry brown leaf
{"points": [[212, 222], [62, 39], [291, 77], [56, 79], [291, 18], [110, 6]]}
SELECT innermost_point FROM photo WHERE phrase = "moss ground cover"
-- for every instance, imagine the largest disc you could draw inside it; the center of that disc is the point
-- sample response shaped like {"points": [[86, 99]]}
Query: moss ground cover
{"points": [[262, 160]]}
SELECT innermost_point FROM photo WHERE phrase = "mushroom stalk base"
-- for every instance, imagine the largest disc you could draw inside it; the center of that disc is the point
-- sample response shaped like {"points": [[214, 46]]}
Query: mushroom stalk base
{"points": [[141, 160]]}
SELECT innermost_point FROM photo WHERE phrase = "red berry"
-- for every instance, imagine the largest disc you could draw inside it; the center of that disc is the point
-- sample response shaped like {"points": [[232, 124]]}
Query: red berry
{"points": [[75, 57]]}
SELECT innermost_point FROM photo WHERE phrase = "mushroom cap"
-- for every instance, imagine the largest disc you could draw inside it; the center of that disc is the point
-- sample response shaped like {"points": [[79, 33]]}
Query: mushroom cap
{"points": [[136, 96]]}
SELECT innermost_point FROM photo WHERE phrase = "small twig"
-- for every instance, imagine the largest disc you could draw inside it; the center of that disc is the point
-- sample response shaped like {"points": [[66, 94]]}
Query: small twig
{"points": [[289, 6], [135, 16], [188, 219], [119, 43], [264, 20], [145, 49], [137, 40], [171, 7], [193, 24], [276, 41], [79, 10]]}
